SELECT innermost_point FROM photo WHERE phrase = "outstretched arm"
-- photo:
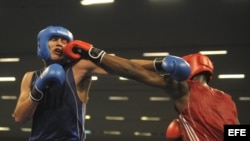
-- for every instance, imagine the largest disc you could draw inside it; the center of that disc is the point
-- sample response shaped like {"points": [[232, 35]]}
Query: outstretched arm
{"points": [[128, 69], [171, 64]]}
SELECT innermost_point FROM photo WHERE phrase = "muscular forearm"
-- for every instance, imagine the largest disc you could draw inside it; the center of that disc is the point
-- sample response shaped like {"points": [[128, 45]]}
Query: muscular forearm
{"points": [[120, 66], [24, 111], [147, 64], [128, 69]]}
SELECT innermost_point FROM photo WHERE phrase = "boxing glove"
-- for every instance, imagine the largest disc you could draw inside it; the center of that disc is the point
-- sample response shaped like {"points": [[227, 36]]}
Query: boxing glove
{"points": [[77, 49], [177, 67], [53, 75], [173, 131]]}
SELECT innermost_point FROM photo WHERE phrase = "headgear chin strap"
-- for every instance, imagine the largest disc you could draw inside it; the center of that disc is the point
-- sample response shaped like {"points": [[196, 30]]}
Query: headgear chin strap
{"points": [[45, 35], [199, 63]]}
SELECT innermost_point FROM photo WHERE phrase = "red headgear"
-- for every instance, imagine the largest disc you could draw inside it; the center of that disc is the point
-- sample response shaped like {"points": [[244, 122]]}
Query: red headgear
{"points": [[199, 63]]}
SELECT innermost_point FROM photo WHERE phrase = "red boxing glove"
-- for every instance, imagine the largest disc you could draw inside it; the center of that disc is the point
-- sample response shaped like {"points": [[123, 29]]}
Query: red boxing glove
{"points": [[77, 49], [173, 131]]}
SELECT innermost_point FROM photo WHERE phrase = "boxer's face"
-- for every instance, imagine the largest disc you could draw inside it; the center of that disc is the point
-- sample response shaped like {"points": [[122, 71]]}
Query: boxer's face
{"points": [[56, 44]]}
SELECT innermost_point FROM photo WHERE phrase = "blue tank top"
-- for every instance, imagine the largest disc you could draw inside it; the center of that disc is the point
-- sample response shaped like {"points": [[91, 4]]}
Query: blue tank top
{"points": [[61, 114]]}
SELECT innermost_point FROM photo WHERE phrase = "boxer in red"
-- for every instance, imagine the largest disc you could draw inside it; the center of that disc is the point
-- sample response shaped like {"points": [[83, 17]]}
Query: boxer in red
{"points": [[203, 111]]}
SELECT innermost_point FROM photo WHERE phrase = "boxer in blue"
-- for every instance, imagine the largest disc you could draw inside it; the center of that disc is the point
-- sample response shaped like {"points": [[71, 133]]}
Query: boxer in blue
{"points": [[56, 95]]}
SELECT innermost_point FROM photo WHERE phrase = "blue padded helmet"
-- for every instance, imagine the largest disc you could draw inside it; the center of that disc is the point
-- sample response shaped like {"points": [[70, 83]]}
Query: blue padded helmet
{"points": [[44, 36]]}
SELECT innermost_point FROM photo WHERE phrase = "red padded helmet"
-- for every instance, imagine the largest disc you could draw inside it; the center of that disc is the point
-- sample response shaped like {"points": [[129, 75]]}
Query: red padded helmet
{"points": [[199, 63]]}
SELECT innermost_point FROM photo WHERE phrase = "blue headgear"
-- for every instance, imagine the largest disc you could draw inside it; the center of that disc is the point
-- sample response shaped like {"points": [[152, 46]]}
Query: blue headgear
{"points": [[44, 36]]}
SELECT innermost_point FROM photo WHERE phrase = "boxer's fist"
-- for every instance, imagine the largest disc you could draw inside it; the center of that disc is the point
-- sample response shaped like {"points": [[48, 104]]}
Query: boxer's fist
{"points": [[177, 67], [53, 75], [77, 49]]}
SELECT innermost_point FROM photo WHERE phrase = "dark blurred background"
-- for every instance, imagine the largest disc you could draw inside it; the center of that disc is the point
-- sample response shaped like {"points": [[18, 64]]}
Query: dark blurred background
{"points": [[127, 28]]}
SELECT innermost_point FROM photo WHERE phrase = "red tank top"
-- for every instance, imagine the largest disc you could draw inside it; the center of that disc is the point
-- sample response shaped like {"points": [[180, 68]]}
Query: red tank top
{"points": [[206, 113]]}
